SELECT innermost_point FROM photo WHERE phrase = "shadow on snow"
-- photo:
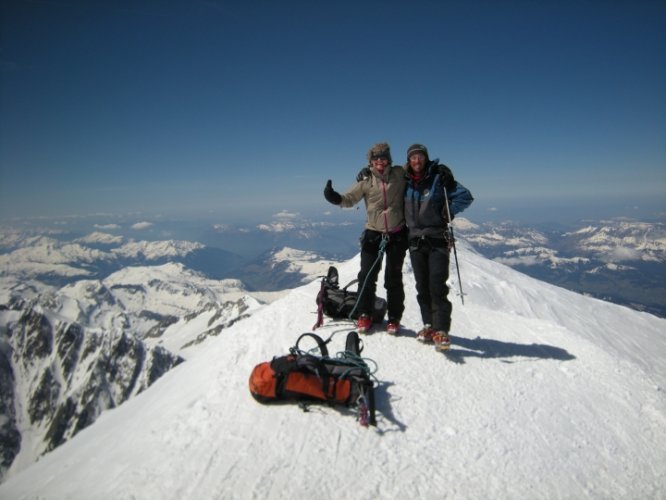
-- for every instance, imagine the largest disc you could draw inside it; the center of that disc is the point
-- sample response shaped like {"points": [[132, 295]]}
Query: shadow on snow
{"points": [[489, 348]]}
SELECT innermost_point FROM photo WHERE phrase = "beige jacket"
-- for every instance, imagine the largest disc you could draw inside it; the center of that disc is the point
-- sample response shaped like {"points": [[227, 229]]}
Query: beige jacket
{"points": [[384, 197]]}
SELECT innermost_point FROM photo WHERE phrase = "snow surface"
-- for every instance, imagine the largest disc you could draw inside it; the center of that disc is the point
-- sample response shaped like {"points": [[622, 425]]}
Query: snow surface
{"points": [[545, 394]]}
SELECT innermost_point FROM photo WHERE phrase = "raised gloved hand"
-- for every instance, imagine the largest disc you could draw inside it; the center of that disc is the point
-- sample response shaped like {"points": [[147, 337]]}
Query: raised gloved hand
{"points": [[447, 177], [331, 195], [364, 173]]}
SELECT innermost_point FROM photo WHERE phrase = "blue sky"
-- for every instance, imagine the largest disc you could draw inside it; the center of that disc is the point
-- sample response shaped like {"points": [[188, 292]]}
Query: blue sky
{"points": [[239, 108]]}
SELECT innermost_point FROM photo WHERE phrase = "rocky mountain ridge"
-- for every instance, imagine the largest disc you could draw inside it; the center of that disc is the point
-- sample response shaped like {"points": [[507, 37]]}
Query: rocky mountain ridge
{"points": [[67, 354]]}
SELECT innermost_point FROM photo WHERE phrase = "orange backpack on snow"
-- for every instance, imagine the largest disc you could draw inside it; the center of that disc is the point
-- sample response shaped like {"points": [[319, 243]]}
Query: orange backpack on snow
{"points": [[302, 376]]}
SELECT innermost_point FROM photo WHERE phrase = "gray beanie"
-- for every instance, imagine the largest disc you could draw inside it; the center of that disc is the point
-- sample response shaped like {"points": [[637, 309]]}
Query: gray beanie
{"points": [[417, 148]]}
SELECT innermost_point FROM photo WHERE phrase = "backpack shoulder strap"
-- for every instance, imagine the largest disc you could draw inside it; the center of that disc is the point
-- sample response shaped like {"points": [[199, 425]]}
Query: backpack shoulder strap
{"points": [[320, 343], [320, 304], [349, 284]]}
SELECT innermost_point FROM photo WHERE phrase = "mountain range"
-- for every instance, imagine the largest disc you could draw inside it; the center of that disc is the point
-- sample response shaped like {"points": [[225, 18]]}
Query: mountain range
{"points": [[619, 260], [622, 261], [69, 354]]}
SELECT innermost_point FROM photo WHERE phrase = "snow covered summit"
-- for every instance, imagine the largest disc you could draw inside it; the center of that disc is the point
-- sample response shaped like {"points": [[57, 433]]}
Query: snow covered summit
{"points": [[545, 394]]}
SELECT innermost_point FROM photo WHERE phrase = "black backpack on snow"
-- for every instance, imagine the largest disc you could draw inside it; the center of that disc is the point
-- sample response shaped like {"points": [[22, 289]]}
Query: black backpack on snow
{"points": [[340, 303]]}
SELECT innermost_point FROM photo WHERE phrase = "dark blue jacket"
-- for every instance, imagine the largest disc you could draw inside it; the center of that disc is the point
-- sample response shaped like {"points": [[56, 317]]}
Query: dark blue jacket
{"points": [[425, 204]]}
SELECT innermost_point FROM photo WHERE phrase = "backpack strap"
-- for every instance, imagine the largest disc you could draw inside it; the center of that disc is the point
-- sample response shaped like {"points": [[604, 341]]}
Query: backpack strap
{"points": [[349, 284], [370, 401], [320, 304], [315, 364], [320, 343]]}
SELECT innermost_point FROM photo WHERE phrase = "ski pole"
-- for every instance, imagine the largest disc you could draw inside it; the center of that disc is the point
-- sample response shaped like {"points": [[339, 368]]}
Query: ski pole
{"points": [[453, 243]]}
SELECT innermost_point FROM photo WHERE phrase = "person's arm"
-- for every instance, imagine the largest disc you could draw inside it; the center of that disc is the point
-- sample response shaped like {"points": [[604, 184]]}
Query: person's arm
{"points": [[459, 199], [349, 199]]}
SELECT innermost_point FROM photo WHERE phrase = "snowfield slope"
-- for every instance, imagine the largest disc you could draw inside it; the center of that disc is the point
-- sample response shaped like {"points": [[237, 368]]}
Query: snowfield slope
{"points": [[545, 394]]}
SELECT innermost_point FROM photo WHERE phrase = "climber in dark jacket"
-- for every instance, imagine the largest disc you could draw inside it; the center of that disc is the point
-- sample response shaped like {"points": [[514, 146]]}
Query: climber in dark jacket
{"points": [[429, 186]]}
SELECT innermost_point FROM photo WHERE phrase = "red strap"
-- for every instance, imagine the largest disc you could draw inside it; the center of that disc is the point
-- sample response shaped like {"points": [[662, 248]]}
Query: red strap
{"points": [[320, 307], [385, 207]]}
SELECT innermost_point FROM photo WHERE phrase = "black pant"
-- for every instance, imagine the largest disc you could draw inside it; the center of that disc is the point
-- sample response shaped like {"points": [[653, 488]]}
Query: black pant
{"points": [[430, 263], [395, 250]]}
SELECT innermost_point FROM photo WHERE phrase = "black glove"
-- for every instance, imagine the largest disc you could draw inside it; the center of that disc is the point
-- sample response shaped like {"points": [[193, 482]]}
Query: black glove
{"points": [[364, 173], [331, 195], [447, 177]]}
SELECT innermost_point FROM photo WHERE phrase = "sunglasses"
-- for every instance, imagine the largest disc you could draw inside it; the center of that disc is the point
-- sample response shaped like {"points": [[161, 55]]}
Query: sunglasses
{"points": [[379, 157]]}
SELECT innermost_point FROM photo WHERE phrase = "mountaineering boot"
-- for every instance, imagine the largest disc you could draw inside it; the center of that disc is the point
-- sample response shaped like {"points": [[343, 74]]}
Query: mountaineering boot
{"points": [[393, 326], [441, 340], [363, 323], [425, 335]]}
